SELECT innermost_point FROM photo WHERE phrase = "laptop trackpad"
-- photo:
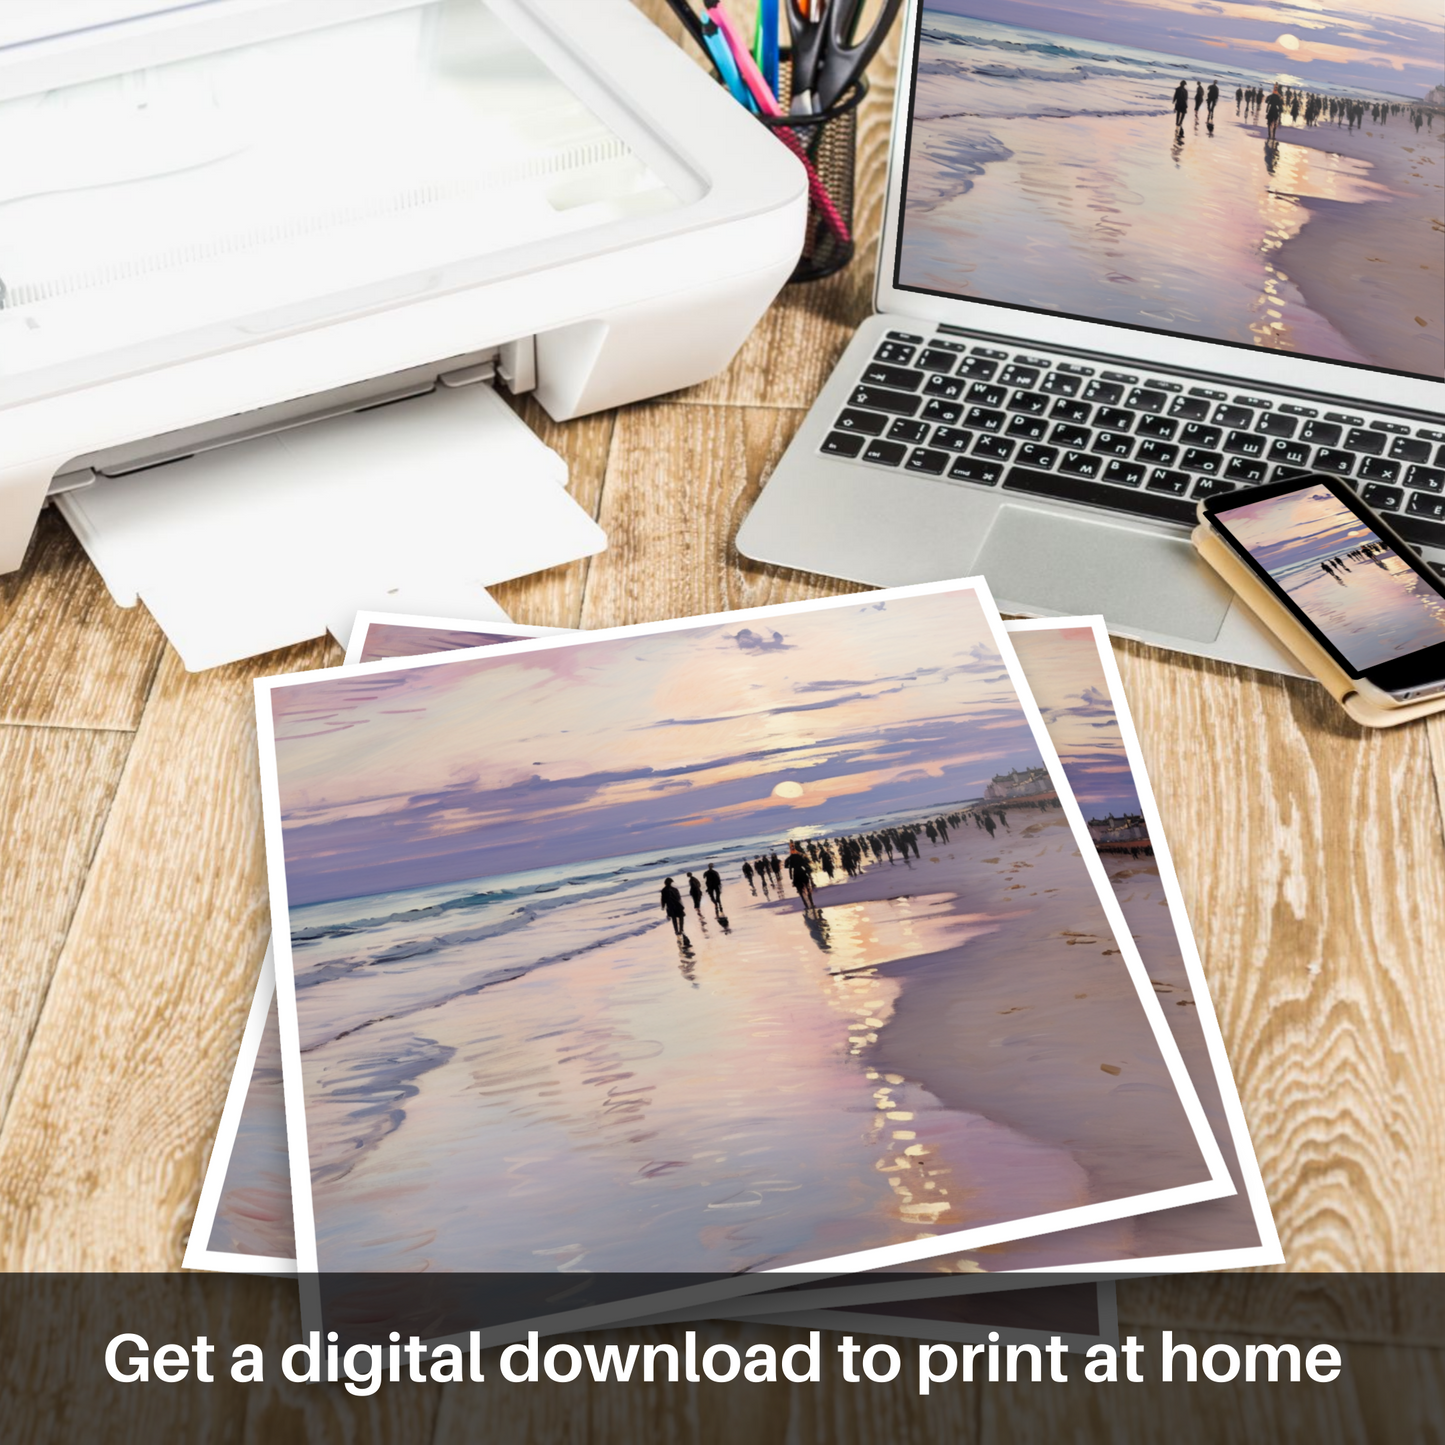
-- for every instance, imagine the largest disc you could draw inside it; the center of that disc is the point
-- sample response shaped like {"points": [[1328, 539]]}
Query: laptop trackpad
{"points": [[1039, 559]]}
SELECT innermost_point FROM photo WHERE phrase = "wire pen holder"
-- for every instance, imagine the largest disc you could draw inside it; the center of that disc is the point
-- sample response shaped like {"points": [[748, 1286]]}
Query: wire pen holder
{"points": [[827, 143]]}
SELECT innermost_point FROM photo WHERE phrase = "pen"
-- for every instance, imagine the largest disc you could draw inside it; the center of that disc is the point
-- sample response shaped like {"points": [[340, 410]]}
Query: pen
{"points": [[765, 42]]}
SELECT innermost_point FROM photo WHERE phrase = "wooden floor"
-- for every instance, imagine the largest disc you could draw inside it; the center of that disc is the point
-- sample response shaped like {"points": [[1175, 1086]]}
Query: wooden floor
{"points": [[133, 911]]}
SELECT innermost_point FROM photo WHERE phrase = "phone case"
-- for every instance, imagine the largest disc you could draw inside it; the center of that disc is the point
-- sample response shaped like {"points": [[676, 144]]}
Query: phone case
{"points": [[1338, 683]]}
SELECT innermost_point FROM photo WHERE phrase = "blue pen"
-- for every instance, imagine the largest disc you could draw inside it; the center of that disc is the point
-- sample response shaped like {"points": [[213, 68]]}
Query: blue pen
{"points": [[727, 67], [768, 28]]}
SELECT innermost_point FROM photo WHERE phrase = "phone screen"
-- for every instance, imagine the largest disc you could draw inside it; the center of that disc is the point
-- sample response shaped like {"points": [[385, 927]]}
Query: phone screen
{"points": [[1372, 606]]}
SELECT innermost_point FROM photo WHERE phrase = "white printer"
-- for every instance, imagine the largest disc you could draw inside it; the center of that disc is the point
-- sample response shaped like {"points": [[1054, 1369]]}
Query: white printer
{"points": [[233, 231]]}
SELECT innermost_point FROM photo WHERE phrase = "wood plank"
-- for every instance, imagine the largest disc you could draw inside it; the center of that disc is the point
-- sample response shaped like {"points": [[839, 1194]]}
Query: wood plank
{"points": [[679, 481], [114, 1111], [554, 598], [69, 657], [56, 786], [1311, 857]]}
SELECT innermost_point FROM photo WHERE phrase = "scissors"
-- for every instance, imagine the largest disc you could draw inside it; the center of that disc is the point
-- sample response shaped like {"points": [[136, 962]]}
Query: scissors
{"points": [[828, 55]]}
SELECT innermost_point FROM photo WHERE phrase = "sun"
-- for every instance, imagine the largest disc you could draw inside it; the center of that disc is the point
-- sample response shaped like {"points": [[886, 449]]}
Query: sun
{"points": [[788, 790], [1288, 42]]}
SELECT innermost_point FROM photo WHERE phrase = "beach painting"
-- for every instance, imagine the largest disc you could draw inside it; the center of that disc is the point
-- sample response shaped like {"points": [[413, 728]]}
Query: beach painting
{"points": [[765, 941], [1264, 175], [376, 635], [1370, 604]]}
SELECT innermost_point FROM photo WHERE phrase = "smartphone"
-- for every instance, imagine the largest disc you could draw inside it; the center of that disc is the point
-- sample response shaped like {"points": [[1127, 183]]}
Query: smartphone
{"points": [[1344, 574]]}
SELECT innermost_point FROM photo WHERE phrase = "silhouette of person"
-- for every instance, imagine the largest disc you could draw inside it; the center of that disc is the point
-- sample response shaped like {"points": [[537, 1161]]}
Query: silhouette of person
{"points": [[695, 889], [1273, 109], [1198, 97], [801, 873], [989, 824], [1211, 96], [712, 881], [748, 875], [672, 906], [1181, 103]]}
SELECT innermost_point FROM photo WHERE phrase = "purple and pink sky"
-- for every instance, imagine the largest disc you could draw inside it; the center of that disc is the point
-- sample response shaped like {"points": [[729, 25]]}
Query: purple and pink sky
{"points": [[1067, 679], [485, 766], [1397, 47]]}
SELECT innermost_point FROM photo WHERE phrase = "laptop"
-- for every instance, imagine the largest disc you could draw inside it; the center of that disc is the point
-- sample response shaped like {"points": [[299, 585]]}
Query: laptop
{"points": [[1120, 272]]}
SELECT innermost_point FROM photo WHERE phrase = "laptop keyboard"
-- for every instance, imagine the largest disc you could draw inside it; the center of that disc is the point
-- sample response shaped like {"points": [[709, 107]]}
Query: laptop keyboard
{"points": [[1143, 444]]}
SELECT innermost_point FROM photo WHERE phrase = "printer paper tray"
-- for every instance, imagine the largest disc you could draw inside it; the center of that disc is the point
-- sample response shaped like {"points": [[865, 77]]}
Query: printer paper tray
{"points": [[416, 506]]}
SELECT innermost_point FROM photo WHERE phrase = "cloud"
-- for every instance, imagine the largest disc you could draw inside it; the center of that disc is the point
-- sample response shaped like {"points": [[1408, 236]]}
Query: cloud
{"points": [[750, 641]]}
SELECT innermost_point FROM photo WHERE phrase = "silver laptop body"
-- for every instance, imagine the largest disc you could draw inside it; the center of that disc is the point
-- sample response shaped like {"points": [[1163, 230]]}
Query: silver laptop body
{"points": [[1063, 457]]}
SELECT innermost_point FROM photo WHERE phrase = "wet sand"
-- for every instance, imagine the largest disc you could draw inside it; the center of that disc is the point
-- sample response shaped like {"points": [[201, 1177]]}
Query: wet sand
{"points": [[1030, 1007]]}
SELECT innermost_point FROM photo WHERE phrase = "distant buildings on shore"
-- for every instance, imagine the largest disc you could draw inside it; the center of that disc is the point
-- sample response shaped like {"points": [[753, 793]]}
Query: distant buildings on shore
{"points": [[1126, 833], [1028, 783]]}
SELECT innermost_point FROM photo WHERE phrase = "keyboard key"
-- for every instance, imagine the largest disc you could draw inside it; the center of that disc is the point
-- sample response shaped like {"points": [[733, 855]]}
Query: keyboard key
{"points": [[1126, 474], [1081, 464], [1037, 361], [843, 444], [1162, 480], [867, 422], [904, 430], [1292, 454], [1211, 487], [1255, 401], [1272, 424], [1060, 383], [989, 352], [1290, 474], [878, 398], [1320, 432], [1144, 398], [1371, 443], [948, 387], [1156, 426], [1034, 456], [1418, 531], [1112, 444], [886, 454], [1245, 469], [895, 353], [1196, 459], [1245, 443], [1332, 459], [1344, 418], [1030, 427], [1423, 504], [983, 395], [1113, 418], [1076, 411], [945, 411], [1153, 381], [1390, 426], [1035, 403], [1406, 449], [981, 418], [1440, 457], [1100, 494], [1070, 436], [1195, 435], [1293, 410], [905, 336], [924, 459], [1377, 469], [953, 438], [1429, 434], [1381, 498], [1019, 376], [1189, 408], [1156, 454], [1107, 392], [1235, 416], [971, 469], [995, 447], [1207, 394], [1126, 377], [957, 347], [877, 374], [935, 360], [1427, 479], [977, 369]]}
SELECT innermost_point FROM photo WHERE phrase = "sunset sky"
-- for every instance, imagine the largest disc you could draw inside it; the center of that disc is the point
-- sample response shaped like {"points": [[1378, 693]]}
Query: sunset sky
{"points": [[1395, 47], [492, 765], [1068, 683]]}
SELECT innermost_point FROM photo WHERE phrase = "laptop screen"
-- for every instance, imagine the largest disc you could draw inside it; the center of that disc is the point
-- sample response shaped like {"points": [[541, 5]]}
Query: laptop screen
{"points": [[1264, 175]]}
